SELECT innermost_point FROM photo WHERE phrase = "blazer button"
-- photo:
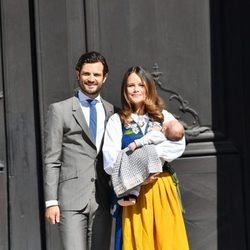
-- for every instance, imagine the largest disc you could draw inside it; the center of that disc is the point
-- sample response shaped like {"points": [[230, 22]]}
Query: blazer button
{"points": [[92, 179]]}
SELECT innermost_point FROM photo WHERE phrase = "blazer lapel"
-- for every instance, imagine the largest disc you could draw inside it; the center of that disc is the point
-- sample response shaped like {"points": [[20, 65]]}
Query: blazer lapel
{"points": [[109, 110], [78, 114]]}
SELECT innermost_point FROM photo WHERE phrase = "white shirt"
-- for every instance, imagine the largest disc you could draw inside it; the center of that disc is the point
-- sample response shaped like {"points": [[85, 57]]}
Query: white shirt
{"points": [[167, 150]]}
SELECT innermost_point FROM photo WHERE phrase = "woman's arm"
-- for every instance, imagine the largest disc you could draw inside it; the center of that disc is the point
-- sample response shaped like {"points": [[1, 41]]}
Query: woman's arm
{"points": [[112, 142]]}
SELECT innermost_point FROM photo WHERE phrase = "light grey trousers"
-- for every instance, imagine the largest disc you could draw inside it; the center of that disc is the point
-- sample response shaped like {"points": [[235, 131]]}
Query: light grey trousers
{"points": [[86, 229]]}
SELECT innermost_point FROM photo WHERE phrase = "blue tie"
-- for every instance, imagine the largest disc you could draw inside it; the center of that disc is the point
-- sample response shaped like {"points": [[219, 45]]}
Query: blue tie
{"points": [[92, 118]]}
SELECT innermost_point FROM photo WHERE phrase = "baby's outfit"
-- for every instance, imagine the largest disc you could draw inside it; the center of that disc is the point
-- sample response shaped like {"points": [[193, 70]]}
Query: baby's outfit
{"points": [[132, 168]]}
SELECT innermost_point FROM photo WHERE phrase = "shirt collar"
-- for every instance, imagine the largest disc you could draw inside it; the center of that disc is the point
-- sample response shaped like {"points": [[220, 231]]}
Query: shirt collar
{"points": [[83, 98]]}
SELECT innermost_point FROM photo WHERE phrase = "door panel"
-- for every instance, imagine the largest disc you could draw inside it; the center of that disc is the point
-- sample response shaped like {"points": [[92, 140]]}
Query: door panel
{"points": [[173, 34], [177, 37], [60, 33], [213, 201], [22, 146], [3, 173]]}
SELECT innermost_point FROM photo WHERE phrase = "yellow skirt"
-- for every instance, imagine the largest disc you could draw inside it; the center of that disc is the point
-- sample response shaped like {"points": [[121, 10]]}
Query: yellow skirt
{"points": [[155, 222]]}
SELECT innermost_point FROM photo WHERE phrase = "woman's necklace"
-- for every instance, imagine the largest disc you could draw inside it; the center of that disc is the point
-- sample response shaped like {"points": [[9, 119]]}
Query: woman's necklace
{"points": [[141, 120]]}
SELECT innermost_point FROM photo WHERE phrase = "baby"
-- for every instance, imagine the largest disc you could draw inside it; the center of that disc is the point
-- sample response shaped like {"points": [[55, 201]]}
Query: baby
{"points": [[172, 130]]}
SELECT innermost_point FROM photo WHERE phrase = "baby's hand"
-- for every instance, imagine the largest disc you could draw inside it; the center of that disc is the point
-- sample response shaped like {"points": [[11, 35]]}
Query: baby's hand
{"points": [[132, 146], [156, 128]]}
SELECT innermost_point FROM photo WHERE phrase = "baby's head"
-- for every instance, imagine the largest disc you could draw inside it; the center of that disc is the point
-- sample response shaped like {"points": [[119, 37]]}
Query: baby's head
{"points": [[173, 130]]}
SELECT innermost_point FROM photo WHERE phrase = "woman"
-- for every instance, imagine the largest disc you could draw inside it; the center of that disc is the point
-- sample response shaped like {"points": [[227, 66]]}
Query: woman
{"points": [[155, 221]]}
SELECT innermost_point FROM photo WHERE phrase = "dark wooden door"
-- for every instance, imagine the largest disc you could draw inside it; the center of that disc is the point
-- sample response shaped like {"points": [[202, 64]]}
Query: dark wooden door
{"points": [[4, 243], [190, 48], [20, 154], [61, 38], [182, 38], [178, 41]]}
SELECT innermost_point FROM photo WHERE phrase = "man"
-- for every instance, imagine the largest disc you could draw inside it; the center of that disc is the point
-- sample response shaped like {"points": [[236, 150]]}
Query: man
{"points": [[77, 191]]}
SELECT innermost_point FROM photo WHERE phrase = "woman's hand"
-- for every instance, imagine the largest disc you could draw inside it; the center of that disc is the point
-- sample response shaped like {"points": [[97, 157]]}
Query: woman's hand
{"points": [[132, 146], [152, 178]]}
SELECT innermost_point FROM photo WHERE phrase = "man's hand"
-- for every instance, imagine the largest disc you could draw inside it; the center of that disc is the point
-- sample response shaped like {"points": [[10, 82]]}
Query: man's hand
{"points": [[52, 214]]}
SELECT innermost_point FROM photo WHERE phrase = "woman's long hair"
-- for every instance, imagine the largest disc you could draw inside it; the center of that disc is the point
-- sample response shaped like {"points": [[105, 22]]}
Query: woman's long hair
{"points": [[153, 104]]}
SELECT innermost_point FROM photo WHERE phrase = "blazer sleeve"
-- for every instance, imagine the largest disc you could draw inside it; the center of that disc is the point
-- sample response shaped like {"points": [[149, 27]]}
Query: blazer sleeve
{"points": [[53, 136]]}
